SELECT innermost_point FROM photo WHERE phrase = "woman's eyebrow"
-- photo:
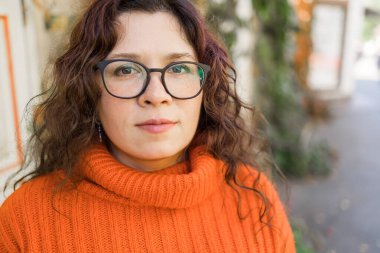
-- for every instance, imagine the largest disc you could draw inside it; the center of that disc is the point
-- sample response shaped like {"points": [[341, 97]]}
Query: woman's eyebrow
{"points": [[130, 56], [137, 57], [177, 56]]}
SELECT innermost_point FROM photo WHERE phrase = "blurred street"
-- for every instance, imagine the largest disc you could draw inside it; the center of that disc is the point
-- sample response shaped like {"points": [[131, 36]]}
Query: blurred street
{"points": [[340, 213]]}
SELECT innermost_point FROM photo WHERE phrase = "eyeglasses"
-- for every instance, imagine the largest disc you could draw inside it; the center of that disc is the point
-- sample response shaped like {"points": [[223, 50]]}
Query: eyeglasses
{"points": [[125, 79]]}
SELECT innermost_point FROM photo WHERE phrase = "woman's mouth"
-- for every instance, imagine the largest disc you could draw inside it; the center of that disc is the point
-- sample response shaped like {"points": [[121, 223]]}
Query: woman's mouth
{"points": [[156, 125]]}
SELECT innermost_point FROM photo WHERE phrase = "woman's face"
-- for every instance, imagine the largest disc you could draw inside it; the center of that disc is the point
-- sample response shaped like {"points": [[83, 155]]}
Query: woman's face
{"points": [[150, 132]]}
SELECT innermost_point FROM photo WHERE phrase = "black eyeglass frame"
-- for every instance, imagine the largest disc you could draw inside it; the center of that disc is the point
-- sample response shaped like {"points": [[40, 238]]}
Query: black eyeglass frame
{"points": [[103, 64]]}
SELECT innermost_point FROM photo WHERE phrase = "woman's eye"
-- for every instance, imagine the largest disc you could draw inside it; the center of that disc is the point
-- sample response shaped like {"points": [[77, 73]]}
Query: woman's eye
{"points": [[179, 69], [125, 70]]}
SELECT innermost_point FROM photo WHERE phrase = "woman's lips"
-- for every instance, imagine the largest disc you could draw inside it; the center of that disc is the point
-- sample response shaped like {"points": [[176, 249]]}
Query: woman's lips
{"points": [[156, 125], [156, 128]]}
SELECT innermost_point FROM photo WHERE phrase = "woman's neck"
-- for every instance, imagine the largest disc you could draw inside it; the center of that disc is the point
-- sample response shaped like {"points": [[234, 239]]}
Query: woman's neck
{"points": [[146, 165]]}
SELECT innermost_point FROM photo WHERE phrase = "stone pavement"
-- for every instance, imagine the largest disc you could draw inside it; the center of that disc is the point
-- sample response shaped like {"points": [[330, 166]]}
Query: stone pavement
{"points": [[341, 213]]}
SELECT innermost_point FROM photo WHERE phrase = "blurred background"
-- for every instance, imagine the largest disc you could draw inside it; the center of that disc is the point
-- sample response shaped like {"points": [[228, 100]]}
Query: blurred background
{"points": [[311, 66]]}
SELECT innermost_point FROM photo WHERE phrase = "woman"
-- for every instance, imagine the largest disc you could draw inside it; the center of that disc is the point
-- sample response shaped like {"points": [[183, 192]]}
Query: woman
{"points": [[139, 145]]}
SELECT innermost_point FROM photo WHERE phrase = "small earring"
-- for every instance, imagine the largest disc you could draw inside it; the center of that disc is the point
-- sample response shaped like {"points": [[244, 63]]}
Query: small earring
{"points": [[100, 131]]}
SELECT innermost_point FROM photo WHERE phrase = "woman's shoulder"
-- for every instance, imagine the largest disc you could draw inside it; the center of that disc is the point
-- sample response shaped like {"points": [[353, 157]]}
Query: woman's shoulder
{"points": [[31, 193], [264, 191], [250, 176], [27, 205], [262, 188]]}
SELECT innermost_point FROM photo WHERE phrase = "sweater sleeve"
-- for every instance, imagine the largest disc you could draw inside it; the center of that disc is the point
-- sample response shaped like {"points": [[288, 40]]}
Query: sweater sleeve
{"points": [[27, 214], [10, 233]]}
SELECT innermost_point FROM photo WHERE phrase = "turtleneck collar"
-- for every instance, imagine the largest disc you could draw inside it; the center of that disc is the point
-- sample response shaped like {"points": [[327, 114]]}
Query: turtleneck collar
{"points": [[179, 186]]}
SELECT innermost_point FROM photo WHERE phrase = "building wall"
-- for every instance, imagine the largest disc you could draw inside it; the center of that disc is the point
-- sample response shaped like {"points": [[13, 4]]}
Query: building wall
{"points": [[19, 80], [27, 46]]}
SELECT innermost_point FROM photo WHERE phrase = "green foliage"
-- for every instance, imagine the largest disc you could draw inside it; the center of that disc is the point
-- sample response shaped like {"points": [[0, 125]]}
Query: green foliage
{"points": [[223, 20], [370, 23], [319, 159], [275, 22], [277, 93], [301, 246]]}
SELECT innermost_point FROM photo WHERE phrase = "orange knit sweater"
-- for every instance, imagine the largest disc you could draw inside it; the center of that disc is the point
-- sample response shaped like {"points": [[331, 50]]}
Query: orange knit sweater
{"points": [[185, 208]]}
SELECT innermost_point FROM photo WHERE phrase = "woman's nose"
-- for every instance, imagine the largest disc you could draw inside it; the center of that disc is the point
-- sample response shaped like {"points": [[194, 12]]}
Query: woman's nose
{"points": [[155, 93]]}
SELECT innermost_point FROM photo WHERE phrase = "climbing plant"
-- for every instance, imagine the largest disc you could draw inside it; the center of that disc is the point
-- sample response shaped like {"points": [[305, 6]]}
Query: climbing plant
{"points": [[277, 93]]}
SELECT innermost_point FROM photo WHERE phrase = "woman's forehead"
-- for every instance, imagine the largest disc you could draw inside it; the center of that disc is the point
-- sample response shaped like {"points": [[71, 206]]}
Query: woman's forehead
{"points": [[143, 34]]}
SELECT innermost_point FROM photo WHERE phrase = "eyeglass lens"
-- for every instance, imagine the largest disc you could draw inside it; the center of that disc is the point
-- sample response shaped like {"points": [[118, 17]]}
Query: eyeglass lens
{"points": [[127, 79]]}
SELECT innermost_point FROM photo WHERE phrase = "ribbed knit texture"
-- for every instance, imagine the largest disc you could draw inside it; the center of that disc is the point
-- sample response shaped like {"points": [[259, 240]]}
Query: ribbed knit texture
{"points": [[185, 208]]}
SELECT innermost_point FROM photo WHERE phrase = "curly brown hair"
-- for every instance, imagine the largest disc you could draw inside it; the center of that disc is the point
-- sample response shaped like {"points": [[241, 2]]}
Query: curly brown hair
{"points": [[64, 122]]}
